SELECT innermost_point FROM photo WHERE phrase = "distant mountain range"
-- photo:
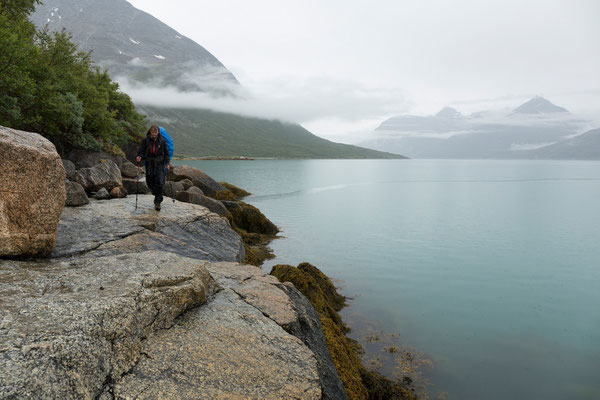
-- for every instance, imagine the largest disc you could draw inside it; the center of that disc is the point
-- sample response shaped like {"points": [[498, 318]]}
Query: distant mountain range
{"points": [[134, 45], [582, 147], [535, 129]]}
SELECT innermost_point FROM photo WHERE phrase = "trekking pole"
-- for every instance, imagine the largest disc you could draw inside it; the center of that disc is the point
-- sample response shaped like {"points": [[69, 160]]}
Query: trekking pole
{"points": [[172, 194], [137, 184]]}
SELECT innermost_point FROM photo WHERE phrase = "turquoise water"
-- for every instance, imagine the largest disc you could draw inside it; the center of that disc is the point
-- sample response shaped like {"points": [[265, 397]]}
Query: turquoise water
{"points": [[491, 269]]}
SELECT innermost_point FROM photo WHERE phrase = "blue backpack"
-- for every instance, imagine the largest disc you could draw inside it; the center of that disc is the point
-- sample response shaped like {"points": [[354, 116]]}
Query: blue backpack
{"points": [[168, 141]]}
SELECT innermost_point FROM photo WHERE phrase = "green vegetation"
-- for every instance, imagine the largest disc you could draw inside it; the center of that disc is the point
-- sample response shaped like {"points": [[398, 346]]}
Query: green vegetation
{"points": [[207, 133], [359, 382], [48, 86]]}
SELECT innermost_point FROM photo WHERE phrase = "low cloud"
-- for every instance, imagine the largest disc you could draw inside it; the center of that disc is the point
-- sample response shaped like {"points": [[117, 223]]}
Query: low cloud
{"points": [[284, 98], [429, 135], [529, 146]]}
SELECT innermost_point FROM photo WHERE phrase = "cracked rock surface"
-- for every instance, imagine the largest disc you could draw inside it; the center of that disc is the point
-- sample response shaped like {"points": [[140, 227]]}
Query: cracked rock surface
{"points": [[182, 228], [233, 351], [69, 327], [137, 304]]}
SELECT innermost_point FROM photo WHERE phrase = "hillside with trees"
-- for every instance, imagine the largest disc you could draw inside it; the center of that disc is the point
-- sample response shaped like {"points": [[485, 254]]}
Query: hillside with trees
{"points": [[50, 87]]}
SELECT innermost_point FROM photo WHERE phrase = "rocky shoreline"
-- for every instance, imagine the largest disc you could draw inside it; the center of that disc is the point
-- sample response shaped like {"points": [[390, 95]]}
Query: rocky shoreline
{"points": [[129, 302]]}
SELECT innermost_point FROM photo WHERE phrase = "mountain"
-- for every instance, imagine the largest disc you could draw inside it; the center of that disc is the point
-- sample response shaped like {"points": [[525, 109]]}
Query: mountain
{"points": [[447, 119], [539, 105], [582, 147], [129, 42], [487, 134], [135, 46], [204, 133]]}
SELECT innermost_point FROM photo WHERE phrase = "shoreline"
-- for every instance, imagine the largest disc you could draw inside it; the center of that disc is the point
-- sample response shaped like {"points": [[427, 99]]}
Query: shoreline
{"points": [[360, 379]]}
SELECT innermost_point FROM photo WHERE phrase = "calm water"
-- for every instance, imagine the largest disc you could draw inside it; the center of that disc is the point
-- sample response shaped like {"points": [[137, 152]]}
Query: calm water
{"points": [[491, 269]]}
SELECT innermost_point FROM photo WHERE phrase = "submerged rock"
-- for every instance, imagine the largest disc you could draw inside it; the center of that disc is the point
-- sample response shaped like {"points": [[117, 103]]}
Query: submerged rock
{"points": [[32, 193]]}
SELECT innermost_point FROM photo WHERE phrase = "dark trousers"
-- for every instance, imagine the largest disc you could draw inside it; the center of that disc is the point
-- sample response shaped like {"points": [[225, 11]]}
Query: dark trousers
{"points": [[155, 179]]}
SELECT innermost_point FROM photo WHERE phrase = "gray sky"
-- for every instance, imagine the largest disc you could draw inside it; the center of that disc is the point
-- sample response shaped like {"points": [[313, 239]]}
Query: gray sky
{"points": [[341, 67]]}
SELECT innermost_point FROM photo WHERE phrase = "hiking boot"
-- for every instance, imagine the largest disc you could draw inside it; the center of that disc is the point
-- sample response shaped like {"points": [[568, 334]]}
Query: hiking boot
{"points": [[157, 206]]}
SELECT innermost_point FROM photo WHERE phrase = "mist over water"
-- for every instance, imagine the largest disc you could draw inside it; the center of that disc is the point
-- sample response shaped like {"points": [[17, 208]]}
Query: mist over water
{"points": [[489, 268]]}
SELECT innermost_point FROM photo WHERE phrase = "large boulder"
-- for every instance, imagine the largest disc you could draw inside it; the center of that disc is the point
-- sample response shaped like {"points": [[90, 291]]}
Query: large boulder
{"points": [[208, 185], [133, 186], [69, 168], [106, 175], [226, 349], [70, 327], [194, 198], [171, 188], [156, 325], [32, 193], [89, 158], [129, 170], [75, 194], [194, 190], [187, 184], [250, 218], [284, 304]]}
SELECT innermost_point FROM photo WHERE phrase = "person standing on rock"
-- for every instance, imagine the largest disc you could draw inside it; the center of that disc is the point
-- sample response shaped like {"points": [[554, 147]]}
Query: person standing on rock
{"points": [[155, 154]]}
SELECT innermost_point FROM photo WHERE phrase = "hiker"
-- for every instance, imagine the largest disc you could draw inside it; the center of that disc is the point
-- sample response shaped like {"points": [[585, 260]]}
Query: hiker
{"points": [[156, 156]]}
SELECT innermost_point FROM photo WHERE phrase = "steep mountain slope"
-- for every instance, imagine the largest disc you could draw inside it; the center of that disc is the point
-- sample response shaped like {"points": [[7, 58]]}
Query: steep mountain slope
{"points": [[129, 42], [448, 134], [134, 45]]}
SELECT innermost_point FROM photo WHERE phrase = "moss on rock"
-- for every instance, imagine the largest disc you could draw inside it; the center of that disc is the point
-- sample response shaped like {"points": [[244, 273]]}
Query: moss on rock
{"points": [[253, 227], [224, 195], [238, 193], [250, 219], [359, 382]]}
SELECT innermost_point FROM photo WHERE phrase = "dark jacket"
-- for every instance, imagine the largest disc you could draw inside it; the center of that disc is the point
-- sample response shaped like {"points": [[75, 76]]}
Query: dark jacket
{"points": [[154, 153]]}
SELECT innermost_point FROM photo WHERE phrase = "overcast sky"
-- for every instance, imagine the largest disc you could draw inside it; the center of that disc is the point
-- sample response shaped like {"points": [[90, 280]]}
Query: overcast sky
{"points": [[350, 64]]}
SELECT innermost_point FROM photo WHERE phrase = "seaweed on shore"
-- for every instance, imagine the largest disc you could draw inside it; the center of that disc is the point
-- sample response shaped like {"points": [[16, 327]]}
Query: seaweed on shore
{"points": [[359, 382], [237, 192], [255, 229]]}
